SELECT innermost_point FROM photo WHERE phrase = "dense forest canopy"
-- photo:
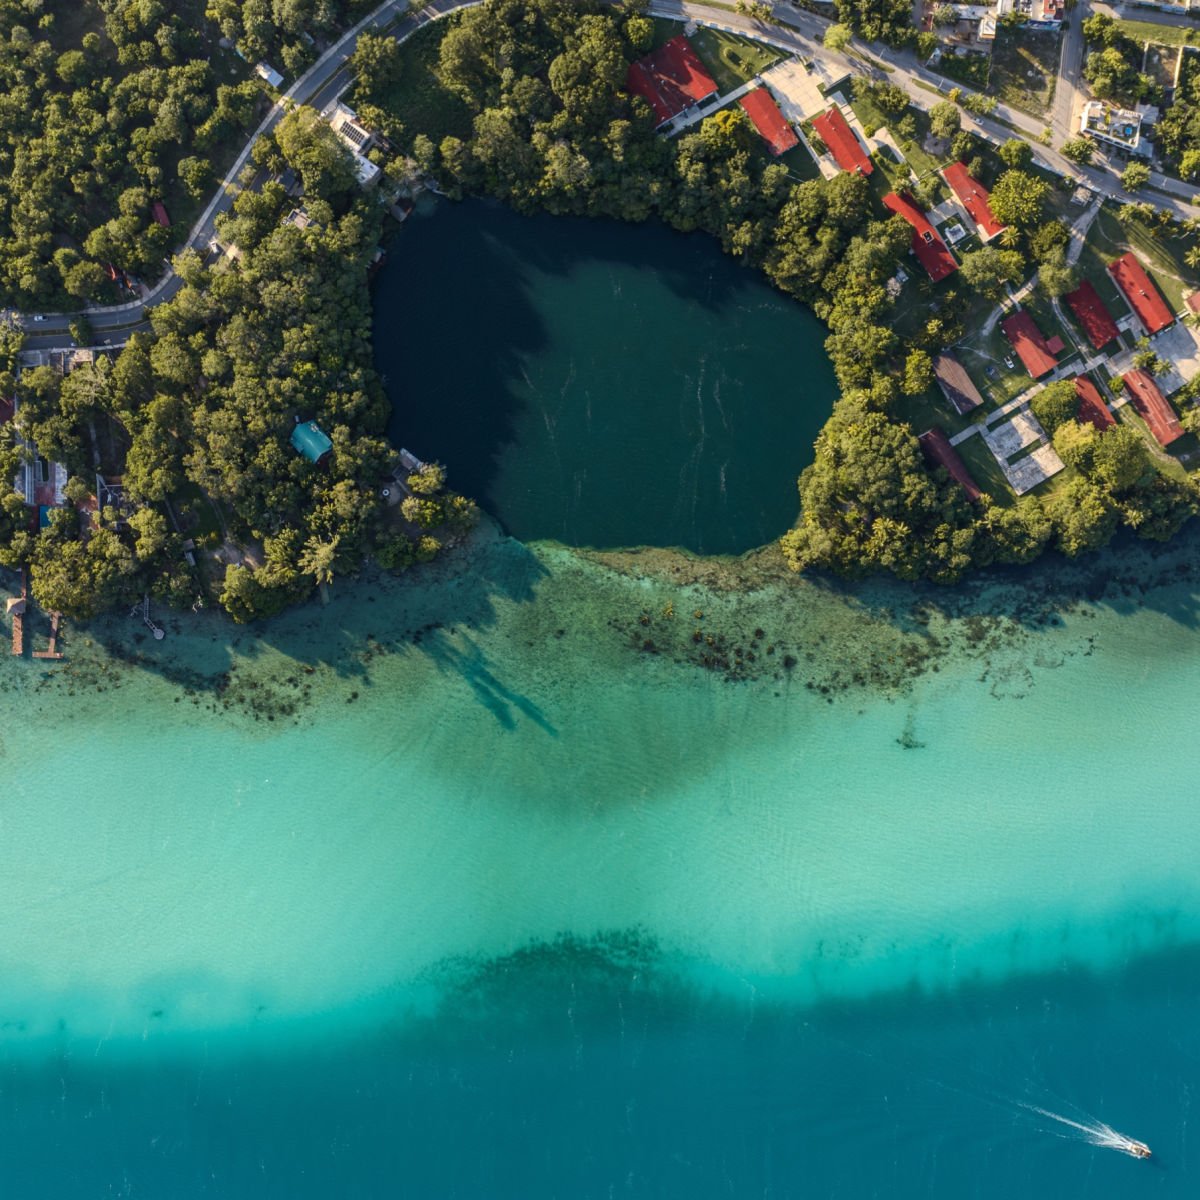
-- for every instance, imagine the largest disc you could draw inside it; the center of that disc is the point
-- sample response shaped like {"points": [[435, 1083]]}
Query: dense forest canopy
{"points": [[548, 127]]}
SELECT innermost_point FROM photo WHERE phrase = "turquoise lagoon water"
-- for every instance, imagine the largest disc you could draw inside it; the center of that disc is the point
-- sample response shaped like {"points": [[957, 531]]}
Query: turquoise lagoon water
{"points": [[599, 383], [495, 883]]}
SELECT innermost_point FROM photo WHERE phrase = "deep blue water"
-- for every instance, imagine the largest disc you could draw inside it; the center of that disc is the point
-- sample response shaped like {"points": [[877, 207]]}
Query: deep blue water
{"points": [[565, 1082]]}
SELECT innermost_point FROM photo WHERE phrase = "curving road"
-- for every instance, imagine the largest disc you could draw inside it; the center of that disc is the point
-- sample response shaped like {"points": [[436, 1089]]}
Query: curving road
{"points": [[793, 30], [319, 86]]}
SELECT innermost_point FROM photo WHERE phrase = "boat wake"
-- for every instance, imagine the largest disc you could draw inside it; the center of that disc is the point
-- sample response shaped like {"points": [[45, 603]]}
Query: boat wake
{"points": [[1095, 1133]]}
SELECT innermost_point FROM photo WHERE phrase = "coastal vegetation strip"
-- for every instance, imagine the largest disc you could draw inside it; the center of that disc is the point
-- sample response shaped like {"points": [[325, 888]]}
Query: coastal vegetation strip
{"points": [[527, 101]]}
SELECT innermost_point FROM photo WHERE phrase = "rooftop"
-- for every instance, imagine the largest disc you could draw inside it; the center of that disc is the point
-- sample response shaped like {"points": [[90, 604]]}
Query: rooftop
{"points": [[1121, 126], [973, 196], [671, 79], [1153, 406], [937, 448], [1092, 408], [1027, 340], [843, 144], [761, 108], [1138, 288], [929, 248], [955, 383], [1094, 319]]}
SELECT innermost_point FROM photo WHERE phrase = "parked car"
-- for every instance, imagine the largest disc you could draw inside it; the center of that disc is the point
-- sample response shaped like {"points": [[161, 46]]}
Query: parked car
{"points": [[1008, 362], [38, 317]]}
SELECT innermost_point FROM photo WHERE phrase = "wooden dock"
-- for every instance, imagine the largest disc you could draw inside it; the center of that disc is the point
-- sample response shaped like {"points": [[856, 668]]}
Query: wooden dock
{"points": [[52, 650], [17, 608]]}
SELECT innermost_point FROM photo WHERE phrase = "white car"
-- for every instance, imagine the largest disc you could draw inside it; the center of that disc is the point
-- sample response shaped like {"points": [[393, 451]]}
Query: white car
{"points": [[1008, 362], [38, 317]]}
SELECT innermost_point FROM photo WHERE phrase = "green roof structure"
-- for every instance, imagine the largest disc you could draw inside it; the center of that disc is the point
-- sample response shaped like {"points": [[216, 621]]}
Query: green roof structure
{"points": [[308, 439]]}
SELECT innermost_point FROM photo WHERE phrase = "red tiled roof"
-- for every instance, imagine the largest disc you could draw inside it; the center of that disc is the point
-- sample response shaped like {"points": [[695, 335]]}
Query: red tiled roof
{"points": [[1144, 298], [1193, 302], [973, 196], [1055, 344], [1095, 320], [1028, 342], [937, 448], [929, 248], [1091, 404], [159, 213], [1153, 406], [761, 108], [671, 79], [845, 147]]}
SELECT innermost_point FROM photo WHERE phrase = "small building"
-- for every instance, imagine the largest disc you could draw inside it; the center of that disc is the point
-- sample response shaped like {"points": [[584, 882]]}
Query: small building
{"points": [[932, 253], [311, 441], [1035, 353], [343, 120], [1044, 16], [1144, 298], [956, 385], [772, 127], [299, 218], [1092, 409], [1121, 127], [1153, 407], [365, 171], [937, 449], [1094, 319], [842, 142], [266, 71], [1193, 302], [974, 197], [671, 80], [158, 211]]}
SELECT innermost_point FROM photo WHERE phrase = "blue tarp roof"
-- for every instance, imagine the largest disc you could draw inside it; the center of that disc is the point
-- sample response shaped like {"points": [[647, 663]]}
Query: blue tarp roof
{"points": [[309, 440]]}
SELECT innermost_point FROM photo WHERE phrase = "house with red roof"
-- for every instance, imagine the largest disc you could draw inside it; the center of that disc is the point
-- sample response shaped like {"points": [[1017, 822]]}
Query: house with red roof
{"points": [[1094, 319], [1153, 407], [1092, 409], [158, 211], [842, 142], [1036, 354], [937, 448], [1138, 288], [671, 79], [974, 197], [927, 245], [772, 127]]}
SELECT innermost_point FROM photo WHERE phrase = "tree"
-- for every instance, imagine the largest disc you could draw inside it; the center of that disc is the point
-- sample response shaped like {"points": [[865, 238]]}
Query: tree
{"points": [[1018, 197], [918, 373], [1056, 404], [944, 119], [317, 559], [1079, 150], [1016, 153], [837, 37], [1056, 276], [988, 270], [1135, 176]]}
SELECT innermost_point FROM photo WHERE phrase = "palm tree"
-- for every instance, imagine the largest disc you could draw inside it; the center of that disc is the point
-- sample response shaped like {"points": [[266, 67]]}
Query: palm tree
{"points": [[316, 559], [1192, 257]]}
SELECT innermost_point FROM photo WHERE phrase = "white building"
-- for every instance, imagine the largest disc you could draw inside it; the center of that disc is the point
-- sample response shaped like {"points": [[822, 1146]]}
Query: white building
{"points": [[266, 71], [1121, 127], [358, 140]]}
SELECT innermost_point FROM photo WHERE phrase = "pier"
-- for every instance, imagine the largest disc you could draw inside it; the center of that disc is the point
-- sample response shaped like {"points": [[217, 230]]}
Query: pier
{"points": [[52, 651]]}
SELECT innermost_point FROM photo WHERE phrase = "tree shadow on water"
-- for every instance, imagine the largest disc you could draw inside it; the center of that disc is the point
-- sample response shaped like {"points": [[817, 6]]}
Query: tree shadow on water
{"points": [[473, 666]]}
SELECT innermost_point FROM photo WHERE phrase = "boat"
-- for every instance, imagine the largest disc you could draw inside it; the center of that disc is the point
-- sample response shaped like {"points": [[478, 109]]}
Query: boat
{"points": [[1137, 1149]]}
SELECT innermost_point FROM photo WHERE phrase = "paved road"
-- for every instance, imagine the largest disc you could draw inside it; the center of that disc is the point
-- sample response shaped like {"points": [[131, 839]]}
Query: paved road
{"points": [[1068, 96], [798, 32], [319, 86]]}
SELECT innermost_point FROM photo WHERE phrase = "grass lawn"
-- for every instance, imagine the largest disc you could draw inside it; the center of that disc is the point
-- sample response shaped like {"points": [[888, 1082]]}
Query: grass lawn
{"points": [[869, 113], [1160, 64], [931, 408], [799, 162], [423, 104], [197, 516], [1163, 35], [1162, 256], [1024, 67], [968, 69], [732, 59], [985, 470]]}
